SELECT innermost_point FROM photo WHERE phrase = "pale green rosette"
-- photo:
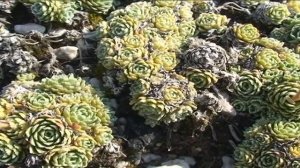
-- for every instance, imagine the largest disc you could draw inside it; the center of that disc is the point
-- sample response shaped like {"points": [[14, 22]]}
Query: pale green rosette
{"points": [[102, 135], [284, 130], [166, 60], [69, 156], [202, 78], [46, 133], [64, 84], [81, 117], [97, 6], [164, 3], [140, 69], [17, 125], [271, 159], [10, 153], [121, 26], [165, 20], [39, 101], [54, 10], [281, 96], [248, 85], [85, 141], [126, 56], [267, 59], [210, 21]]}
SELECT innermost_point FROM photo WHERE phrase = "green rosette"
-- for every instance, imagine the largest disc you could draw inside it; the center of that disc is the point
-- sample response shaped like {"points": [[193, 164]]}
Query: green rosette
{"points": [[243, 157], [139, 87], [140, 69], [257, 143], [127, 55], [64, 84], [46, 133], [84, 141], [121, 26], [39, 101], [270, 43], [106, 48], [187, 29], [246, 33], [248, 85], [139, 10], [201, 78], [272, 75], [280, 98], [271, 159], [291, 76], [294, 34], [166, 60], [135, 41], [69, 156], [280, 33], [295, 164], [55, 10], [203, 6], [172, 95], [10, 153], [81, 117], [272, 13], [211, 21], [267, 59], [97, 6], [257, 105], [102, 135], [240, 105], [289, 60], [284, 130]]}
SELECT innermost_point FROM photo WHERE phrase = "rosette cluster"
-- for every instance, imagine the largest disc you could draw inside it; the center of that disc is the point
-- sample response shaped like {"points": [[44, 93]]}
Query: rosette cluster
{"points": [[144, 37], [163, 98], [60, 119], [269, 143]]}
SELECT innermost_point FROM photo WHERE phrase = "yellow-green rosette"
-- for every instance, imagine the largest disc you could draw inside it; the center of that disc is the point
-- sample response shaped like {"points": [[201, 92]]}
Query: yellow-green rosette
{"points": [[167, 60], [294, 150], [84, 141], [135, 41], [5, 108], [139, 87], [211, 21], [289, 60], [165, 20], [17, 125], [272, 75], [173, 95], [102, 135], [294, 5], [202, 78], [267, 59], [127, 55], [243, 157], [39, 101], [97, 6], [139, 10], [185, 12], [64, 84], [284, 130], [10, 153], [140, 69], [68, 156], [81, 117], [121, 26], [271, 159], [246, 32], [187, 28], [45, 133], [106, 48], [163, 3], [152, 110], [272, 13]]}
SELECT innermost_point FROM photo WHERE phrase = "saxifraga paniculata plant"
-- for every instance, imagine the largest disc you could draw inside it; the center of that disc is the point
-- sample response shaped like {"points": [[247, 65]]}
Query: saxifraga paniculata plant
{"points": [[163, 98], [270, 144], [61, 120]]}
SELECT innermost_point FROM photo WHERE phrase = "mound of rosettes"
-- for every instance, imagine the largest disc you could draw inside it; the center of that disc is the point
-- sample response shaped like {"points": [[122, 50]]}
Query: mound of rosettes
{"points": [[270, 144], [145, 37], [163, 98], [60, 119]]}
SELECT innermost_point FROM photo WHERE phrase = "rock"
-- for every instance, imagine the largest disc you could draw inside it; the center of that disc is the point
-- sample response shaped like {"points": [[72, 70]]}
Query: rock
{"points": [[177, 163], [66, 52], [190, 160], [29, 27], [227, 162], [148, 157]]}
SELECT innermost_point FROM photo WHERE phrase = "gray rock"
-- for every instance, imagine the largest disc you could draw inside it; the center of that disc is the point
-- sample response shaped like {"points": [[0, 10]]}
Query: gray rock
{"points": [[148, 157], [227, 162], [66, 52], [190, 160], [177, 163], [27, 28]]}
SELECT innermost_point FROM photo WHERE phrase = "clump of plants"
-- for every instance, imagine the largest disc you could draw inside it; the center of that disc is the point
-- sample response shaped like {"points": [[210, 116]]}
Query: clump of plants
{"points": [[55, 122]]}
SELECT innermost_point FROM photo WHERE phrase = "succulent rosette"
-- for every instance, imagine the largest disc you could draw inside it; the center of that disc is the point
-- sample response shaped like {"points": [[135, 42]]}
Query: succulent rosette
{"points": [[272, 13], [163, 3], [167, 60], [47, 132], [280, 98], [294, 6], [172, 101], [207, 22], [102, 134], [294, 34], [69, 156], [249, 84], [284, 130], [270, 159], [267, 59], [246, 33], [244, 157], [140, 69], [10, 153], [272, 75], [201, 78], [97, 6], [203, 6], [37, 102], [280, 33], [17, 123], [165, 20], [55, 10], [270, 43], [120, 27], [5, 108], [85, 141]]}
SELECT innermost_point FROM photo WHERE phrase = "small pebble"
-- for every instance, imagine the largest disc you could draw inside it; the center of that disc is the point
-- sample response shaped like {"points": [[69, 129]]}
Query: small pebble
{"points": [[66, 52], [148, 157], [190, 160], [227, 162], [177, 163], [27, 28]]}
